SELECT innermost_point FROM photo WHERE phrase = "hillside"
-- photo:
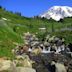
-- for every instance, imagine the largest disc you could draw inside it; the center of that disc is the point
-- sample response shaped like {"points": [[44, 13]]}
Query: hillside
{"points": [[12, 27]]}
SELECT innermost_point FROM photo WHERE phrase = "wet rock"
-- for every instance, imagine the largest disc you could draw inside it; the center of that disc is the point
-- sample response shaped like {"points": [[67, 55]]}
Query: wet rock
{"points": [[41, 68], [70, 66]]}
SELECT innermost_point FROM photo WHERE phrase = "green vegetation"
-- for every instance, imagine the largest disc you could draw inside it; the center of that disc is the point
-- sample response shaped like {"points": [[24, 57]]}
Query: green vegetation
{"points": [[12, 29]]}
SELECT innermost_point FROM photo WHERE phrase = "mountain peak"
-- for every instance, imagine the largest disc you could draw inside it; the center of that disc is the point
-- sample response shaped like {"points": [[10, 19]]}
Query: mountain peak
{"points": [[58, 12]]}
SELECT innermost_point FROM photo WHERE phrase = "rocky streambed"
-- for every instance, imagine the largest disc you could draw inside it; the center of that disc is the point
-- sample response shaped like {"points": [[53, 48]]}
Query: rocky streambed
{"points": [[49, 55]]}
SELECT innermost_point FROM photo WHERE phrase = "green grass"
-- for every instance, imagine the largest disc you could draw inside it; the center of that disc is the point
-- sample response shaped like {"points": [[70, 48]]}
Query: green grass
{"points": [[67, 35]]}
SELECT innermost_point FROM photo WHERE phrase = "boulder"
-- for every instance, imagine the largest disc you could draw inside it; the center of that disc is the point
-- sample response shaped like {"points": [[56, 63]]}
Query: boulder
{"points": [[27, 63], [7, 65], [24, 61], [24, 69], [37, 51], [60, 67]]}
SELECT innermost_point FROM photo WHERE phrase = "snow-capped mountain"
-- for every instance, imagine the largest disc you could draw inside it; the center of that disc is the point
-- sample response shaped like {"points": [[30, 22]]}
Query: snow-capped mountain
{"points": [[58, 12]]}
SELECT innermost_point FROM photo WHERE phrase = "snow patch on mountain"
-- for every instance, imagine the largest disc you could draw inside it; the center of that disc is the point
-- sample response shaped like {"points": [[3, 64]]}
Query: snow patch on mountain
{"points": [[58, 12]]}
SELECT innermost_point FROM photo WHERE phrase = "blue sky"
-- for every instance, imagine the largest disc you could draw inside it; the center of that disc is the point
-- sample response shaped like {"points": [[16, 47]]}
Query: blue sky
{"points": [[31, 8]]}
